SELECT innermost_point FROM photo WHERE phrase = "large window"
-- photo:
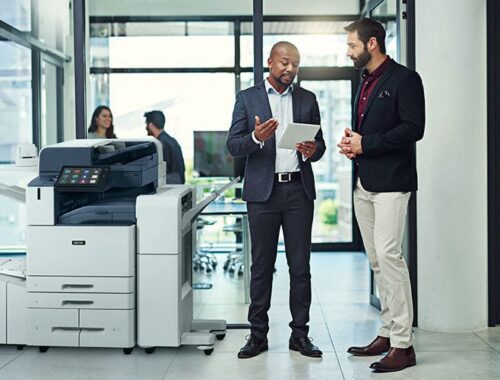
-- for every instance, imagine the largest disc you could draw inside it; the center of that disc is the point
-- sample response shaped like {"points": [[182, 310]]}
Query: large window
{"points": [[31, 64], [191, 70], [15, 99], [190, 101], [163, 45], [333, 173], [321, 43], [167, 66]]}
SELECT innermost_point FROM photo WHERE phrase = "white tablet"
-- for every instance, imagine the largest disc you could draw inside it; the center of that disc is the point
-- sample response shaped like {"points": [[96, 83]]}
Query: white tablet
{"points": [[296, 133]]}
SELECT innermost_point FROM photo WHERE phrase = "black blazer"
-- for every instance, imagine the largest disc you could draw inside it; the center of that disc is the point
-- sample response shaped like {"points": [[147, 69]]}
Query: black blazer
{"points": [[260, 163], [172, 155], [394, 120]]}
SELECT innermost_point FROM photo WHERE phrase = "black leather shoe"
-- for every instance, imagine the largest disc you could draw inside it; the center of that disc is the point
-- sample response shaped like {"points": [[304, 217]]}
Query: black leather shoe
{"points": [[304, 346], [253, 347]]}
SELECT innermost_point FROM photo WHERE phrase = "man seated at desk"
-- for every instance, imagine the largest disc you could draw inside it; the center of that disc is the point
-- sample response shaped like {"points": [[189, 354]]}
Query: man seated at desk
{"points": [[172, 152]]}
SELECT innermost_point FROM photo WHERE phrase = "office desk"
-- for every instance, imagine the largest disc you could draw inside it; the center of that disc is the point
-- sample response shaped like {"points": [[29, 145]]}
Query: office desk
{"points": [[237, 209]]}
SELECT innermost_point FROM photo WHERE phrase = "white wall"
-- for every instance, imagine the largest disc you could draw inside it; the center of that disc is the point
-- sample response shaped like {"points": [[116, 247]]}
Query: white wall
{"points": [[452, 196], [218, 7]]}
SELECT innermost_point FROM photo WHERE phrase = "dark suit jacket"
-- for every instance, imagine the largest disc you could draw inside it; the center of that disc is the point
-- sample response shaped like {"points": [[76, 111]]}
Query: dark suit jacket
{"points": [[394, 120], [260, 164], [172, 154]]}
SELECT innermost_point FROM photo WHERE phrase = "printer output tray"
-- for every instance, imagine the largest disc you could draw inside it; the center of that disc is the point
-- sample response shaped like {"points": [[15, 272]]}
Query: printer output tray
{"points": [[119, 211]]}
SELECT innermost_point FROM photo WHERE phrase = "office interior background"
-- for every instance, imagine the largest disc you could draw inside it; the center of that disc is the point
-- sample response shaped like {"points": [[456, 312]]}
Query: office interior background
{"points": [[62, 58]]}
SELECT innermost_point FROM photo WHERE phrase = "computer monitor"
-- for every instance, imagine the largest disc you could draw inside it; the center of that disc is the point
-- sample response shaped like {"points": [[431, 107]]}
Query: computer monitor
{"points": [[211, 158]]}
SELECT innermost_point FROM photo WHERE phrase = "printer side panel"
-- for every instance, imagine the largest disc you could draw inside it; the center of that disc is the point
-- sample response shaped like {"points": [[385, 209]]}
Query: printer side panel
{"points": [[3, 311], [40, 206], [17, 323], [161, 296], [158, 301], [158, 224]]}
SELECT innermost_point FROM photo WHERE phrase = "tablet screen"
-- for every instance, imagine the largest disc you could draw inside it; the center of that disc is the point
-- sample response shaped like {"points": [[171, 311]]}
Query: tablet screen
{"points": [[296, 133]]}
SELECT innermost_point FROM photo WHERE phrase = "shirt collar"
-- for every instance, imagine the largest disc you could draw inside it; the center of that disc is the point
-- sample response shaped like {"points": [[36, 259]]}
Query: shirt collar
{"points": [[271, 90], [378, 71]]}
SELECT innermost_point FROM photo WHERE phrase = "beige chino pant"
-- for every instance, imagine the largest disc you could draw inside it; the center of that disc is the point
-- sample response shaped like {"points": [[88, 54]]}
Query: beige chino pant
{"points": [[381, 218]]}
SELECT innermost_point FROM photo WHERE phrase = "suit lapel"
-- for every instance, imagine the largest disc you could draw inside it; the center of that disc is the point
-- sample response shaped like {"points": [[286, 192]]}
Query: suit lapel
{"points": [[296, 104], [355, 107], [265, 111], [384, 77]]}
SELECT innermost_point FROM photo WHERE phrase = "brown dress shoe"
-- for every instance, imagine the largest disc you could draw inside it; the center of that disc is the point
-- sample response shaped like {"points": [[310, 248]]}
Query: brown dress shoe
{"points": [[379, 346], [395, 360]]}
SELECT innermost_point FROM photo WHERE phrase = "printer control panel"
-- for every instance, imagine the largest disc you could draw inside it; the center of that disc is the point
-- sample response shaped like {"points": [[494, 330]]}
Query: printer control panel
{"points": [[82, 178]]}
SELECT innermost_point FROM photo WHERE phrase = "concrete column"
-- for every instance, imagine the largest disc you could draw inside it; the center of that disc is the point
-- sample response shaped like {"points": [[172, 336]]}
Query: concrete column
{"points": [[452, 200]]}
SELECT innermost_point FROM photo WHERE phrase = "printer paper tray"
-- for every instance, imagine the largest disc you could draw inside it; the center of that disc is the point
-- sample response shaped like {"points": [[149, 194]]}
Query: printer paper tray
{"points": [[81, 300], [81, 284], [99, 251]]}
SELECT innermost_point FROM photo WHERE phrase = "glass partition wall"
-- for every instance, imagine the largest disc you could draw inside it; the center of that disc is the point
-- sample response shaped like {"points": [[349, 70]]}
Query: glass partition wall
{"points": [[191, 69], [32, 63]]}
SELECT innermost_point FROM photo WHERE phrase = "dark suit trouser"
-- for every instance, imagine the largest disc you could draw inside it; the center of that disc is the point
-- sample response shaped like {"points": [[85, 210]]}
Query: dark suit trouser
{"points": [[289, 208]]}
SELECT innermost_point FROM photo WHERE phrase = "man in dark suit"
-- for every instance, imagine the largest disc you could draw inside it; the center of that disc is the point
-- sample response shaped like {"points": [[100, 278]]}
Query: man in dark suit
{"points": [[388, 118], [280, 192], [172, 152]]}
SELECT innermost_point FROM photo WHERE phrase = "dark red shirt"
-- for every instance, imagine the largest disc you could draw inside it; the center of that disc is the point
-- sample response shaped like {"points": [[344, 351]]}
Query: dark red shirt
{"points": [[369, 82]]}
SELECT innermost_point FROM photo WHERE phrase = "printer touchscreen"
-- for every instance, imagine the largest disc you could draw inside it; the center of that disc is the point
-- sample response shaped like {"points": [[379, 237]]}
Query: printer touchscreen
{"points": [[82, 177]]}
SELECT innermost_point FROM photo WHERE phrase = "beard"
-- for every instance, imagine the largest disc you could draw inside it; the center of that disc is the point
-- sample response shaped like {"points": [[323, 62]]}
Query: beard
{"points": [[282, 81], [362, 60]]}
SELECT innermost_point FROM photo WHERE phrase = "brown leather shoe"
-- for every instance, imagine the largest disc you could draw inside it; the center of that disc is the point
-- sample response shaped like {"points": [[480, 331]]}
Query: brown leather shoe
{"points": [[395, 360], [379, 346]]}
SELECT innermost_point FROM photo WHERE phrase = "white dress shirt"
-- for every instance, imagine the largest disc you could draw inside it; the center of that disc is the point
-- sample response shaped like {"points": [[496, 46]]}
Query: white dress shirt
{"points": [[282, 110]]}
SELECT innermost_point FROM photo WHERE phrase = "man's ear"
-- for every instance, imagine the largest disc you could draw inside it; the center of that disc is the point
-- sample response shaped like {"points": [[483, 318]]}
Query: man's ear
{"points": [[372, 43], [269, 62]]}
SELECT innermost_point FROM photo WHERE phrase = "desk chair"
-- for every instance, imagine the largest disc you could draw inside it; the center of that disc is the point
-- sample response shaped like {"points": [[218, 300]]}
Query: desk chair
{"points": [[235, 262], [203, 260]]}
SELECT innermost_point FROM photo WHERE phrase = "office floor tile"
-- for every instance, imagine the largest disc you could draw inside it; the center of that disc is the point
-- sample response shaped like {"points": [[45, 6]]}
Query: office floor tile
{"points": [[6, 358], [491, 336], [458, 365], [436, 341], [88, 363], [340, 317], [268, 365]]}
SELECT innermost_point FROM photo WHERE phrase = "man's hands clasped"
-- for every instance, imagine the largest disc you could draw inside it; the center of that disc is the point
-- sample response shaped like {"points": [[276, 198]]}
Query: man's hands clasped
{"points": [[350, 145]]}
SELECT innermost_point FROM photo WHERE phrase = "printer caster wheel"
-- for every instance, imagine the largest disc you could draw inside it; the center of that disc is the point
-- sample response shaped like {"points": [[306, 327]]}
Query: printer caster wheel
{"points": [[43, 348], [128, 351], [220, 336], [149, 350], [208, 351], [20, 347]]}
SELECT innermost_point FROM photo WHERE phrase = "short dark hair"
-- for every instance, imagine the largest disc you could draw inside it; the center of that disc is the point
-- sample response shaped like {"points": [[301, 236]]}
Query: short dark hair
{"points": [[368, 28], [155, 117]]}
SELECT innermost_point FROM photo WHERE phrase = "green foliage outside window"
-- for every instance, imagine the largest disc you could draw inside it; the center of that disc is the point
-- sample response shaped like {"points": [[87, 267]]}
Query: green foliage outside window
{"points": [[328, 211]]}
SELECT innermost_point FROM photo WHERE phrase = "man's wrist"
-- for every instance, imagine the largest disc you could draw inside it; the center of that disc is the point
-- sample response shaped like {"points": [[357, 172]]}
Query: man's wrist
{"points": [[256, 140]]}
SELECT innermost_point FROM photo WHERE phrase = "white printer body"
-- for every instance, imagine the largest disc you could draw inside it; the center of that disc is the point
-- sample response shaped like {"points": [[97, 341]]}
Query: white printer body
{"points": [[109, 250], [12, 310]]}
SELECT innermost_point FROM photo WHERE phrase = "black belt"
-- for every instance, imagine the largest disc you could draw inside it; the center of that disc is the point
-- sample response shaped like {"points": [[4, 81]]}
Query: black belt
{"points": [[287, 177]]}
